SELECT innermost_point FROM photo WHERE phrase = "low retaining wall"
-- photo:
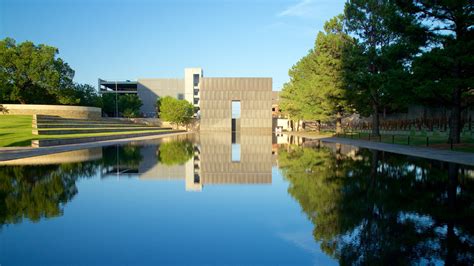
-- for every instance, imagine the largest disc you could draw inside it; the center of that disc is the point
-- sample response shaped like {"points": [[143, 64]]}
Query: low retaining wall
{"points": [[68, 141], [66, 111]]}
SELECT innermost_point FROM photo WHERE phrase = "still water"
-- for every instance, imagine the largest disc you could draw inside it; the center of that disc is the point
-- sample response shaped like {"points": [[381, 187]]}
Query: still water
{"points": [[237, 199]]}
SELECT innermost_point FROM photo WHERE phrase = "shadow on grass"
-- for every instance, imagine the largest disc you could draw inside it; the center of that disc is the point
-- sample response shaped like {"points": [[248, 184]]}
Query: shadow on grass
{"points": [[21, 143]]}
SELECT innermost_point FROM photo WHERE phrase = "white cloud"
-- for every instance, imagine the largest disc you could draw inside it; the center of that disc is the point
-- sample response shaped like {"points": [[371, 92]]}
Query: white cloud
{"points": [[312, 8], [301, 9]]}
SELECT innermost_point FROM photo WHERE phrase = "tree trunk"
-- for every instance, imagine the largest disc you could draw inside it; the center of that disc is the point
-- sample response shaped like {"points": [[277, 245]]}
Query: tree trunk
{"points": [[375, 120], [338, 123], [455, 118], [318, 126]]}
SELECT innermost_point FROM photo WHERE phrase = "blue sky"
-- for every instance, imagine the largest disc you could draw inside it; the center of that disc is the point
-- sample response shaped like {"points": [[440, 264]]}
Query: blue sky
{"points": [[144, 38]]}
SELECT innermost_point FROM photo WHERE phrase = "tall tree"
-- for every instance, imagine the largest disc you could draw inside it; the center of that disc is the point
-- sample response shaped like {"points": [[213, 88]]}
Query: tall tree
{"points": [[377, 64], [328, 86], [446, 70], [293, 93], [315, 91]]}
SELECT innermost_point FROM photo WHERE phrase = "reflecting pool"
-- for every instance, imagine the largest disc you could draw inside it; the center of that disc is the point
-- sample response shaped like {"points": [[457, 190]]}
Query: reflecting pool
{"points": [[235, 199]]}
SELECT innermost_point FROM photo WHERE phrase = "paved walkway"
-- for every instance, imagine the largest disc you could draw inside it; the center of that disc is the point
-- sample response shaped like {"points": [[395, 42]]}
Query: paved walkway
{"points": [[10, 153], [428, 153]]}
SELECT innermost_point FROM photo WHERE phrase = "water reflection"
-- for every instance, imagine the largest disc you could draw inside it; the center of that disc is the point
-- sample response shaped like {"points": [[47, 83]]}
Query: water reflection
{"points": [[375, 208], [366, 207], [40, 191]]}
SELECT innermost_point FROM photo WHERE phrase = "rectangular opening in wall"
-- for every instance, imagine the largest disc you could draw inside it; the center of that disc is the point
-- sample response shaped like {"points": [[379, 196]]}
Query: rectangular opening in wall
{"points": [[235, 116]]}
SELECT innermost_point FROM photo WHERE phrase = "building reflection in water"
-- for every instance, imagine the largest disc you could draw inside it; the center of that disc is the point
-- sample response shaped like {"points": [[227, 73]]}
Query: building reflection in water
{"points": [[204, 159], [236, 158]]}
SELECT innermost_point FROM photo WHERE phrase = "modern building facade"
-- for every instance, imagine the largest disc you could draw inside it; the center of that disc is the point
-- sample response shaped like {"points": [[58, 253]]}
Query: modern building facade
{"points": [[149, 89], [222, 104]]}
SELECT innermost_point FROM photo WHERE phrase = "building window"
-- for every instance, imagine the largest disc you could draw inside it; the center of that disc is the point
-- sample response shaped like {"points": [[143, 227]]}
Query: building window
{"points": [[273, 109], [180, 96], [196, 80]]}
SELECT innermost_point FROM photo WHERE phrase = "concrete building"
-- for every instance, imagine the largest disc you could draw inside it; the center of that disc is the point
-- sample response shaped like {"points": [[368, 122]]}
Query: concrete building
{"points": [[223, 104], [149, 89]]}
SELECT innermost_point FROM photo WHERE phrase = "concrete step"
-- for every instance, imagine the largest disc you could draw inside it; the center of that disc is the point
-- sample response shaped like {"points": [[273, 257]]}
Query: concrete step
{"points": [[68, 141], [80, 121], [91, 130], [62, 125]]}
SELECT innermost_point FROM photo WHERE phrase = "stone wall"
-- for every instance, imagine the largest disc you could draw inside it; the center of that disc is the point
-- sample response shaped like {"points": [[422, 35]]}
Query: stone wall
{"points": [[65, 111], [254, 94]]}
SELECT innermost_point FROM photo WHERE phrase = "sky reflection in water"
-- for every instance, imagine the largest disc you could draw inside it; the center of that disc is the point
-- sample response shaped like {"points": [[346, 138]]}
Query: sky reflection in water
{"points": [[187, 200]]}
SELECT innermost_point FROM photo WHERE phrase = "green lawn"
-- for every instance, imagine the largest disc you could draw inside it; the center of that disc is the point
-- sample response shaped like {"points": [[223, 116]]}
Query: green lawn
{"points": [[15, 130]]}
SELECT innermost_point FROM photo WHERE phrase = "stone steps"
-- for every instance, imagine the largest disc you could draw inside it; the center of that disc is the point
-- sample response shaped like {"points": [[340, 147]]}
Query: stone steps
{"points": [[58, 125], [92, 130], [69, 141], [83, 122]]}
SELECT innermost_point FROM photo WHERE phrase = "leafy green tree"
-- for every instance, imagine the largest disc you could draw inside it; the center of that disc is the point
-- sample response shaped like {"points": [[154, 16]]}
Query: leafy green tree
{"points": [[175, 152], [32, 73], [445, 71], [179, 112], [128, 105], [80, 94], [315, 90], [108, 104], [376, 67], [328, 84]]}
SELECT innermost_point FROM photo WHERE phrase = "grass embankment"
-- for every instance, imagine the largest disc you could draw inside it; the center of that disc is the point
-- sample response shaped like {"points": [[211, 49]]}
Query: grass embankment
{"points": [[16, 130], [434, 140]]}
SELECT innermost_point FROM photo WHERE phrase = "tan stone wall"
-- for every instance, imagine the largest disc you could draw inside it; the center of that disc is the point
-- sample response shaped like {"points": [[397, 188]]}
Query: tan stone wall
{"points": [[66, 111], [254, 94]]}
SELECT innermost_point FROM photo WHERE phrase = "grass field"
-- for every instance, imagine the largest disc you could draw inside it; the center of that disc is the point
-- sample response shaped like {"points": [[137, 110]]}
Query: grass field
{"points": [[16, 130]]}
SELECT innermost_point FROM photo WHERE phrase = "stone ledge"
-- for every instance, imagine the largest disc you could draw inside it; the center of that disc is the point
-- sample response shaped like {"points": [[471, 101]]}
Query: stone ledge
{"points": [[67, 141], [66, 111]]}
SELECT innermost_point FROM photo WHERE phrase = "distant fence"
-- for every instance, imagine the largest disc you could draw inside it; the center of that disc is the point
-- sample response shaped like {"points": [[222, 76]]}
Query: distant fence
{"points": [[66, 111]]}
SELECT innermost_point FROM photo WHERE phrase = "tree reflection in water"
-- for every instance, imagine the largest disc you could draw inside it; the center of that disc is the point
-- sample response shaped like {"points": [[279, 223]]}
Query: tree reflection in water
{"points": [[377, 208], [175, 152], [38, 191]]}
